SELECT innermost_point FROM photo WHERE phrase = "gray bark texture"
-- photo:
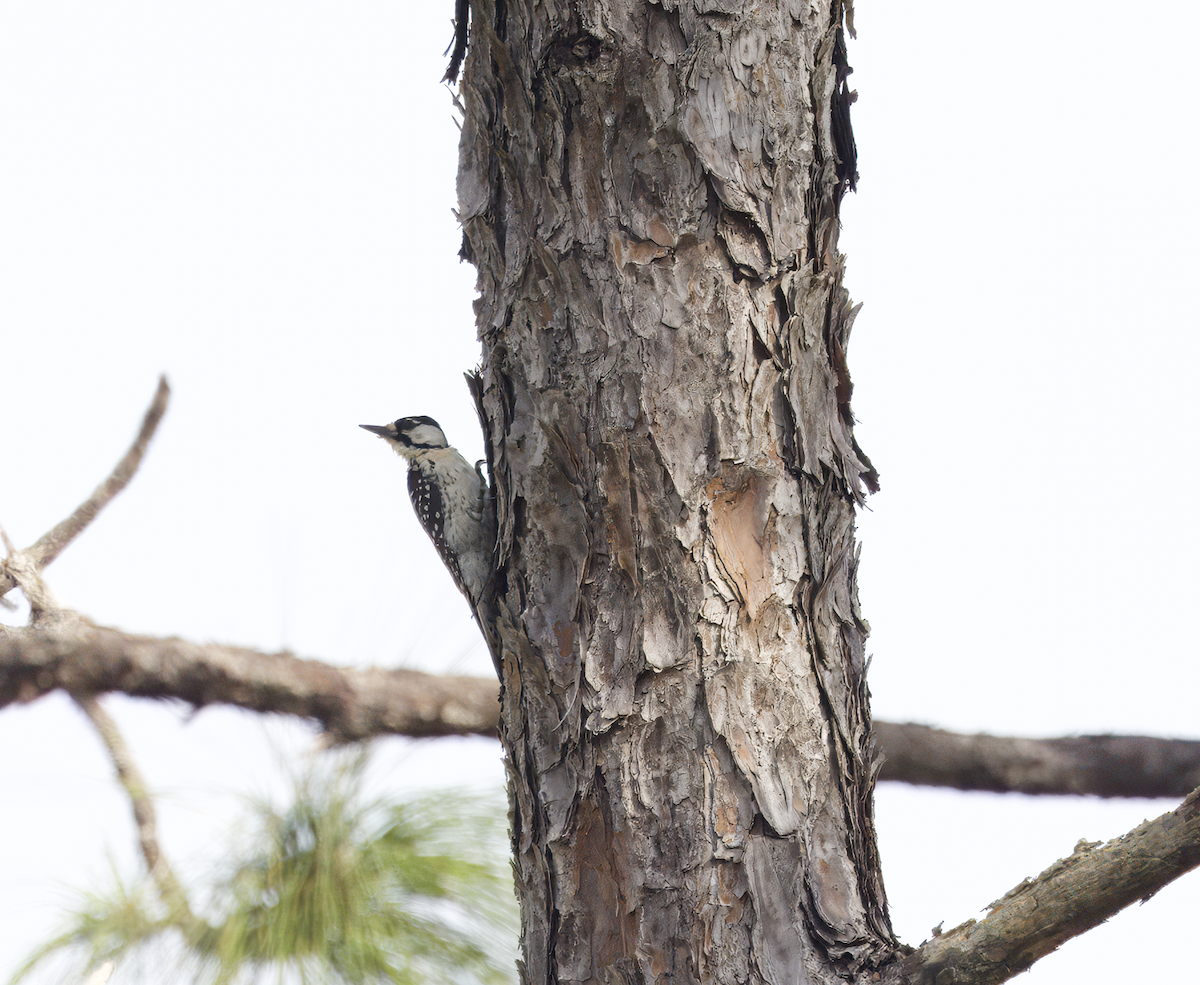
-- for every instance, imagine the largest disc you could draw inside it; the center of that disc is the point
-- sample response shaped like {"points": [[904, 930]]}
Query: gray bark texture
{"points": [[650, 193]]}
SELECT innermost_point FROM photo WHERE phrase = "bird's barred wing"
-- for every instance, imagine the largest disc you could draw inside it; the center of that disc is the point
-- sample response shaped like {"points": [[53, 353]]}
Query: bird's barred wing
{"points": [[427, 500]]}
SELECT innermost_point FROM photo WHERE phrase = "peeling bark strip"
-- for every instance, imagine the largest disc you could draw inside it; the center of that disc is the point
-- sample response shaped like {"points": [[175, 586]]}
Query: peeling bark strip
{"points": [[650, 193]]}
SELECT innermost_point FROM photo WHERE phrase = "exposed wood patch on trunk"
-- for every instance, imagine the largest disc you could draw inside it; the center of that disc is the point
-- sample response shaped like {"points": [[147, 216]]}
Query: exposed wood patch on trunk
{"points": [[650, 191]]}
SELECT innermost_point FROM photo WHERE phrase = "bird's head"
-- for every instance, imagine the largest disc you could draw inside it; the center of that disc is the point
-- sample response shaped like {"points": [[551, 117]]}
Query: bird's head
{"points": [[410, 435]]}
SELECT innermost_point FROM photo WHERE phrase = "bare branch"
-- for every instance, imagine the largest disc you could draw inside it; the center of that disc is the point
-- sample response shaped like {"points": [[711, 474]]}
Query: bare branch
{"points": [[170, 890], [360, 703], [51, 544], [1072, 896], [349, 703], [1104, 765], [24, 572]]}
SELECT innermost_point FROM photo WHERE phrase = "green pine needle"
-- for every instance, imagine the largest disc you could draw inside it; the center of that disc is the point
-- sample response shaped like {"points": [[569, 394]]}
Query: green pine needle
{"points": [[334, 889]]}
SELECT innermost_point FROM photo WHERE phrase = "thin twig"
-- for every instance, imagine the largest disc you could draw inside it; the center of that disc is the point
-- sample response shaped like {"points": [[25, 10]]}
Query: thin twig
{"points": [[24, 572], [1072, 896], [169, 888], [51, 544], [11, 551]]}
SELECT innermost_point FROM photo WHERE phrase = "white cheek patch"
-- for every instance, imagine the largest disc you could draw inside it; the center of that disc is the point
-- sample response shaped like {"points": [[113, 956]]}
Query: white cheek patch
{"points": [[427, 434]]}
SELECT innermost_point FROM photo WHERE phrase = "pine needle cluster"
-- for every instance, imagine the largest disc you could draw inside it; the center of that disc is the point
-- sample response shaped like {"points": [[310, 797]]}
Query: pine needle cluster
{"points": [[332, 888]]}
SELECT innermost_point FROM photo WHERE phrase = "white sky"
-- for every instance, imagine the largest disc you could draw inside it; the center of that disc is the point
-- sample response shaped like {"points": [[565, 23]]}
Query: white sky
{"points": [[255, 197]]}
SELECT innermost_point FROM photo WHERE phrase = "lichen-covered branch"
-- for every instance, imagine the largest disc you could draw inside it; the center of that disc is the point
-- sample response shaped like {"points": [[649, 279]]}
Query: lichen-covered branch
{"points": [[348, 703], [1103, 765], [1072, 896]]}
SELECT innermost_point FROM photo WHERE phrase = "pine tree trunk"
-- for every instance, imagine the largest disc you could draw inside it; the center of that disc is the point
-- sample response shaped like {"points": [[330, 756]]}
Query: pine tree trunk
{"points": [[650, 193]]}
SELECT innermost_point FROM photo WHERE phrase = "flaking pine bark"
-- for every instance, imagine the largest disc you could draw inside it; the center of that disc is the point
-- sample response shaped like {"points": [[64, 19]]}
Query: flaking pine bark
{"points": [[650, 193]]}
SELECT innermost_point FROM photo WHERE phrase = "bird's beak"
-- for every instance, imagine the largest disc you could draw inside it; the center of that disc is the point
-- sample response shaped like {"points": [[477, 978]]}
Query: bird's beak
{"points": [[383, 430]]}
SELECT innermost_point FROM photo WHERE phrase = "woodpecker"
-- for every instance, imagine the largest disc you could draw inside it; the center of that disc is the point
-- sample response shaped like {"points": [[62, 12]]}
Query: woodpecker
{"points": [[451, 499]]}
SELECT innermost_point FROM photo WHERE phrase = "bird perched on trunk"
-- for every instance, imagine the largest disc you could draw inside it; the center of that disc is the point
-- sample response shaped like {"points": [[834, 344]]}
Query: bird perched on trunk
{"points": [[451, 498]]}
